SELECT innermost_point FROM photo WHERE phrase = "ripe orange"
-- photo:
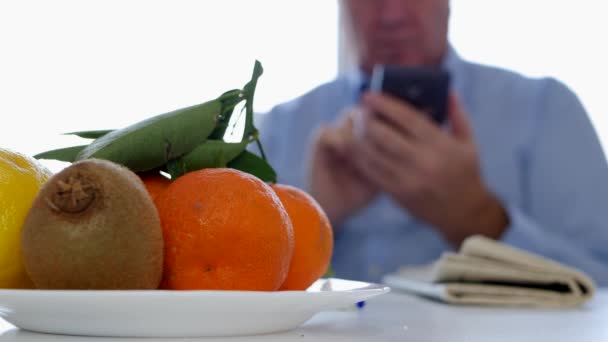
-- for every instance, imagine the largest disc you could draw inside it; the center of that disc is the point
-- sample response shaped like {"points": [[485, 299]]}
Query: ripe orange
{"points": [[224, 229], [313, 237], [155, 183]]}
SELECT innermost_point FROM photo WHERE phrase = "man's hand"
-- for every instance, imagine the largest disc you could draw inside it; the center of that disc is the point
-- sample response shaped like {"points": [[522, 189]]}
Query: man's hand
{"points": [[431, 172], [334, 182]]}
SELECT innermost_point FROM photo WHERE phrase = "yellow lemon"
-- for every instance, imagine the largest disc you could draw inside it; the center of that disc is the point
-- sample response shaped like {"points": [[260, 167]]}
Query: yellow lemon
{"points": [[20, 180]]}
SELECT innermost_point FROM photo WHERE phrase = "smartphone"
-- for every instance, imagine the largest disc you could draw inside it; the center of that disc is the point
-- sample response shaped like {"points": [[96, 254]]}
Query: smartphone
{"points": [[424, 88]]}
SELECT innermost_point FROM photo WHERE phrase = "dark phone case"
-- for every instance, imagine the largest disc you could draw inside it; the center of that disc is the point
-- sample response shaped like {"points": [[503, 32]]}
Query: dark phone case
{"points": [[424, 88]]}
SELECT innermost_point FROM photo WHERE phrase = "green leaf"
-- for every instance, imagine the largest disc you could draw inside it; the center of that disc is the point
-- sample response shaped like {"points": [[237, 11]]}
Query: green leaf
{"points": [[90, 134], [212, 153], [229, 100], [67, 154], [250, 163], [175, 168], [151, 143], [249, 91]]}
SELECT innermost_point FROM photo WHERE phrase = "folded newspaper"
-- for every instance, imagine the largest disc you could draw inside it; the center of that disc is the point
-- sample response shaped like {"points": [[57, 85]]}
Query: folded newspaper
{"points": [[486, 272]]}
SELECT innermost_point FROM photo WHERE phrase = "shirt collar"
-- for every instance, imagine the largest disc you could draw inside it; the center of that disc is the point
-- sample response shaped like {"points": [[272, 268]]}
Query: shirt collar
{"points": [[451, 61]]}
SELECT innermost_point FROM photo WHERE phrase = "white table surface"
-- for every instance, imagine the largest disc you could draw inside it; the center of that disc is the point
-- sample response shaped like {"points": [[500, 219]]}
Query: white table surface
{"points": [[400, 317]]}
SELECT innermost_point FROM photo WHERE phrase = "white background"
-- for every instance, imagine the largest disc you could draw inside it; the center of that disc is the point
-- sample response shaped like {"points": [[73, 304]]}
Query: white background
{"points": [[68, 65], [561, 38]]}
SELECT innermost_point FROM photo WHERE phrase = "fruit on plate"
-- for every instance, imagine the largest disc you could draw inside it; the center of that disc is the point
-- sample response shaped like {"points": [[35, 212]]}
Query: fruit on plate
{"points": [[155, 183], [224, 229], [93, 226], [223, 225], [20, 180], [313, 237]]}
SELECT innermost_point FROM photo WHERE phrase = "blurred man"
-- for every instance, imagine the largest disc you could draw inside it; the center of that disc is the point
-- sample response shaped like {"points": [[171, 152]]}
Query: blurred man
{"points": [[518, 160]]}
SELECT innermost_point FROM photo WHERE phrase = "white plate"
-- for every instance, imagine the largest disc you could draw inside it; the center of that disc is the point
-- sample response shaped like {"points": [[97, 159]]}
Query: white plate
{"points": [[177, 313]]}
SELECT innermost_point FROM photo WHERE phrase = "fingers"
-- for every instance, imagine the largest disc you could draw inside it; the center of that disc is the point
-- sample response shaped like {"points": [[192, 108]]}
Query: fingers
{"points": [[459, 121], [340, 137], [402, 116], [381, 153], [333, 139], [379, 170], [386, 139]]}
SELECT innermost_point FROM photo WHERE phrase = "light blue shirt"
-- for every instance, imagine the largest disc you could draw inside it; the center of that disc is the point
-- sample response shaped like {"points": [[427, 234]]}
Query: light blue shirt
{"points": [[538, 152]]}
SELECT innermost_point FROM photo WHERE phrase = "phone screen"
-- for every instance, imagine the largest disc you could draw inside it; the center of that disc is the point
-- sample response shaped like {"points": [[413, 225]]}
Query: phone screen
{"points": [[424, 88]]}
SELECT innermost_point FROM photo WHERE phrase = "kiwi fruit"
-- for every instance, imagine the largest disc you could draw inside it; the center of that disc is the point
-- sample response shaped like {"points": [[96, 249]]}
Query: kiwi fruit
{"points": [[93, 226]]}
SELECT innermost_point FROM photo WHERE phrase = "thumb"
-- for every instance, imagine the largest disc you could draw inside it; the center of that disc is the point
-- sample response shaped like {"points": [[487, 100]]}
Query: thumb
{"points": [[332, 139], [459, 119]]}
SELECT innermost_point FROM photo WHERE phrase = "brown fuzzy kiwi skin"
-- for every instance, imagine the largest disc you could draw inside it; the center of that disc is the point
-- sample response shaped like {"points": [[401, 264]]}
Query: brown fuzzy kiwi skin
{"points": [[93, 226]]}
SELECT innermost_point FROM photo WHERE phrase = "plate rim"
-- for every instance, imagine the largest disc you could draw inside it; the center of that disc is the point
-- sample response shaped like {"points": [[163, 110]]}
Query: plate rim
{"points": [[294, 308], [370, 287]]}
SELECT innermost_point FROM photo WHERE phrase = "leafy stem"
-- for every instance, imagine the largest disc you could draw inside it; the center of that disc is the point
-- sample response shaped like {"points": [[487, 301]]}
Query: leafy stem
{"points": [[259, 143]]}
